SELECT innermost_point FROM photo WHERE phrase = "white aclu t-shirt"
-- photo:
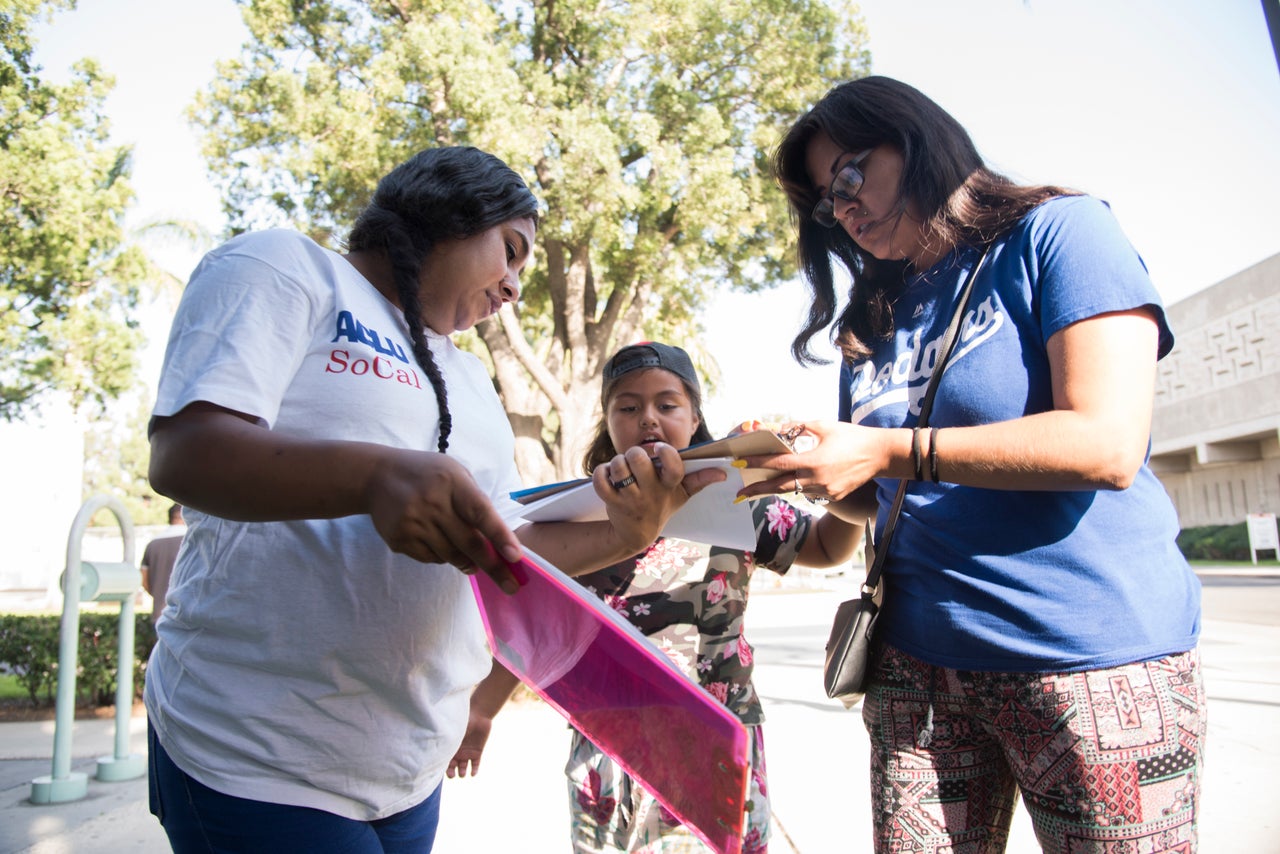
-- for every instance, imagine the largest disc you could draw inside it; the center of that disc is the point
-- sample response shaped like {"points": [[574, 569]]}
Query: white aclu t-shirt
{"points": [[303, 662]]}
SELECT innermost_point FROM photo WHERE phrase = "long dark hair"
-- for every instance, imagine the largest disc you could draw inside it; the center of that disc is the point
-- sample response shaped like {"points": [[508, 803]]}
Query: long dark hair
{"points": [[601, 449], [438, 194], [960, 201]]}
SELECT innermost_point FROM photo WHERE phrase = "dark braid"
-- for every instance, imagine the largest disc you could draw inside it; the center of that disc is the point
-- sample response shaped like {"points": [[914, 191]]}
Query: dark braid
{"points": [[404, 266], [437, 194]]}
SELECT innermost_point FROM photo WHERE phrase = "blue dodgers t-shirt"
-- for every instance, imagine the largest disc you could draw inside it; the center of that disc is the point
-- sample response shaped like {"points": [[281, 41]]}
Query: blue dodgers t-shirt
{"points": [[983, 579]]}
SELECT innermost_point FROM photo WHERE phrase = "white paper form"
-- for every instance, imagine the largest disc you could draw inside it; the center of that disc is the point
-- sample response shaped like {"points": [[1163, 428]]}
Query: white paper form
{"points": [[710, 517]]}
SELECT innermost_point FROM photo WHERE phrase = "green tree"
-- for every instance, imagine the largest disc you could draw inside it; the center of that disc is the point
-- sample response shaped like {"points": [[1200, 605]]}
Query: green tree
{"points": [[643, 126], [68, 276], [116, 458]]}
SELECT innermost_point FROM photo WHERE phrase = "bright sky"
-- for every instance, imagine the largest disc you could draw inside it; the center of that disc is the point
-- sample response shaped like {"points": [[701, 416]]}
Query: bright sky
{"points": [[1168, 109]]}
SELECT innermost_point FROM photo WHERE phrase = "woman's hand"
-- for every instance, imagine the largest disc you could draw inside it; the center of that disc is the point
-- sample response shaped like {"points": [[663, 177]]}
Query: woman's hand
{"points": [[423, 504], [640, 493], [840, 458], [427, 506], [1096, 436]]}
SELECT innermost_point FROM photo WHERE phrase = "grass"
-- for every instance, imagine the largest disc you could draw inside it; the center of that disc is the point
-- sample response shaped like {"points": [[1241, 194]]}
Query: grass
{"points": [[1262, 563], [11, 688]]}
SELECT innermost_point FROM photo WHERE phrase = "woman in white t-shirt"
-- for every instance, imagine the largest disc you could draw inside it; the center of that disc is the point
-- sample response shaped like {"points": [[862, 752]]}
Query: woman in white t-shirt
{"points": [[340, 460]]}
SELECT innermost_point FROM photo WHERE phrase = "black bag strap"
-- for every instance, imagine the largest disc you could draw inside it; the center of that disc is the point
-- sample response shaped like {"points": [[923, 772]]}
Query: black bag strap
{"points": [[948, 343]]}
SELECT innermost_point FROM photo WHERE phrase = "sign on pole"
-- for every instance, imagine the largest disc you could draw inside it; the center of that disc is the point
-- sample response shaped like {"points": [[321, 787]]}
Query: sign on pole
{"points": [[1262, 534]]}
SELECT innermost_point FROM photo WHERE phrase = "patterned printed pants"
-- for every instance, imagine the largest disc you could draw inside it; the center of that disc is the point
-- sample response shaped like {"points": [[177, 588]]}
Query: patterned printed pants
{"points": [[1107, 761], [611, 812]]}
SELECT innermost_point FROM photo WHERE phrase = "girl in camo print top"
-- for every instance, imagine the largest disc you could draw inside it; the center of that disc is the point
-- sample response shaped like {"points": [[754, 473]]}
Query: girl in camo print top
{"points": [[689, 598]]}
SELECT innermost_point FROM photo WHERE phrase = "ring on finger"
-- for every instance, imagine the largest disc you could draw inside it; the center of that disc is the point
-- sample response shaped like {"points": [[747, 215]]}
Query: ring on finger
{"points": [[625, 482], [799, 488]]}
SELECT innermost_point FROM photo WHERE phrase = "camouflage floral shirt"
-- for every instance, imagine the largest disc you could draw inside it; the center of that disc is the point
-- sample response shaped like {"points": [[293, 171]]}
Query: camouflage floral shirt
{"points": [[691, 600]]}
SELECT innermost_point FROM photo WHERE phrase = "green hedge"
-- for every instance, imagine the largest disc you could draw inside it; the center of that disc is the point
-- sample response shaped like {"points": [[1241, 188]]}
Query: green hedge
{"points": [[29, 646], [1215, 542], [29, 643]]}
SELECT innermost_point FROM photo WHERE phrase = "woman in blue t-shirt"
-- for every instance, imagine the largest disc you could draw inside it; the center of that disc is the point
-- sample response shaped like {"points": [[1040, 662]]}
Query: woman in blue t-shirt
{"points": [[1040, 626]]}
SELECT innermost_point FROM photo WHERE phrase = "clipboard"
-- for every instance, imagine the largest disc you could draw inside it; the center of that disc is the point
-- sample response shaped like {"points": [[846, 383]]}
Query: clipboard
{"points": [[750, 444], [612, 684], [756, 443], [711, 516]]}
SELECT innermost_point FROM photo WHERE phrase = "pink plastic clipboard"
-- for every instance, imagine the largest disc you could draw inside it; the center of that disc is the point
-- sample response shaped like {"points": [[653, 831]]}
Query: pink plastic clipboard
{"points": [[626, 696]]}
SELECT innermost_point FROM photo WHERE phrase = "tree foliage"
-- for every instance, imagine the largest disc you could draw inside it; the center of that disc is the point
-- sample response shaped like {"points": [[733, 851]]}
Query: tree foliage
{"points": [[117, 455], [644, 126], [68, 277]]}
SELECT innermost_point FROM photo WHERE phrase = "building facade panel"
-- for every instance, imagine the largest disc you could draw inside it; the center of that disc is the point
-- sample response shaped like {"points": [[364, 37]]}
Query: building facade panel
{"points": [[1216, 420], [1224, 495]]}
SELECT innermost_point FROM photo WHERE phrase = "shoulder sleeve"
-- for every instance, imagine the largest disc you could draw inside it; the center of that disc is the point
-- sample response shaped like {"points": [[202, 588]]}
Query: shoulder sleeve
{"points": [[781, 529], [845, 403], [242, 327], [1086, 266]]}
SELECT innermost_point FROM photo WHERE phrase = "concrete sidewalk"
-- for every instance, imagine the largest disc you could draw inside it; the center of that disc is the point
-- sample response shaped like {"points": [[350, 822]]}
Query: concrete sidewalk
{"points": [[817, 758]]}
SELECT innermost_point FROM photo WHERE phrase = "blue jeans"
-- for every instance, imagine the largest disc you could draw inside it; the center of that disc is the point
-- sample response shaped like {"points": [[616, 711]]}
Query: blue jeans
{"points": [[199, 819]]}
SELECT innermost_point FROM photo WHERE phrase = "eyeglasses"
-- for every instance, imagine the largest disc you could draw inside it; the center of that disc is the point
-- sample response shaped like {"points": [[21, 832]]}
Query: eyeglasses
{"points": [[845, 184]]}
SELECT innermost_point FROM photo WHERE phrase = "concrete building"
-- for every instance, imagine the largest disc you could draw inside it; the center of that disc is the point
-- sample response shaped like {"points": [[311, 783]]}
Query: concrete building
{"points": [[1216, 424]]}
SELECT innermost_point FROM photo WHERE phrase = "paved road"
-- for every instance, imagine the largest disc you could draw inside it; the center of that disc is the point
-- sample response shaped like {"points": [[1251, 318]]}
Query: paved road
{"points": [[1252, 600]]}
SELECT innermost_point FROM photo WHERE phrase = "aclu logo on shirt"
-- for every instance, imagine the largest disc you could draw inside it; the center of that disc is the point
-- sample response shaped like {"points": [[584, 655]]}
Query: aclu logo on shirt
{"points": [[342, 361], [357, 333], [905, 378]]}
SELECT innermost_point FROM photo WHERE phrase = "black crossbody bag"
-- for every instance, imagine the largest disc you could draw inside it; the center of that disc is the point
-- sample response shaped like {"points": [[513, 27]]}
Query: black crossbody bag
{"points": [[849, 647]]}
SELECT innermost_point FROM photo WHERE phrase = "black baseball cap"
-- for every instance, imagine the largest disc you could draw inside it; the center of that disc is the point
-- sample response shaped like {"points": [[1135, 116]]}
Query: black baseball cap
{"points": [[648, 354]]}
